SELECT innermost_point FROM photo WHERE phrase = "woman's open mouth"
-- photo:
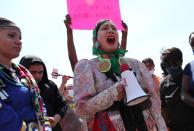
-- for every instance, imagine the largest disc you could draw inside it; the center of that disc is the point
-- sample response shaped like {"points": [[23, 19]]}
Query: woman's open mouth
{"points": [[110, 39]]}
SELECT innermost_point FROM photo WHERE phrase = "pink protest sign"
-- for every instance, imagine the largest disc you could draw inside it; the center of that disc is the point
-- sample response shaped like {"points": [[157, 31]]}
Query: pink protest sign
{"points": [[85, 13]]}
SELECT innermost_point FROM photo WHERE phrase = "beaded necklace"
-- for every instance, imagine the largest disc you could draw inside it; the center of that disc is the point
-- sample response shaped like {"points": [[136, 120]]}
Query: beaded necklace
{"points": [[26, 78]]}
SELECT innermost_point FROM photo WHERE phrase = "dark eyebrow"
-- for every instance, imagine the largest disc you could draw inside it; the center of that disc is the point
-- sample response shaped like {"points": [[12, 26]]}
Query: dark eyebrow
{"points": [[16, 33], [114, 26]]}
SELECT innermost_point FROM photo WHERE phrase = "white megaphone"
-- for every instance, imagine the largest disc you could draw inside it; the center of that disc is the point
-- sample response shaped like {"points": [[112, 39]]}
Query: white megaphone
{"points": [[134, 92]]}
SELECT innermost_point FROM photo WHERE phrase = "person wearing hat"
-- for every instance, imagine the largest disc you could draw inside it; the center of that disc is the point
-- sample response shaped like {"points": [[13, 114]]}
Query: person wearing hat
{"points": [[21, 107], [55, 104]]}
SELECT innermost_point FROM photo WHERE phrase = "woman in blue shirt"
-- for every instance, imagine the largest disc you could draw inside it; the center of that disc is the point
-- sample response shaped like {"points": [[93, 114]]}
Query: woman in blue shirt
{"points": [[20, 101]]}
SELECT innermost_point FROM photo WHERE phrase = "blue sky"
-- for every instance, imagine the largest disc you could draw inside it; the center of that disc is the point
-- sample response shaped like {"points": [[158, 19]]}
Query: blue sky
{"points": [[152, 25]]}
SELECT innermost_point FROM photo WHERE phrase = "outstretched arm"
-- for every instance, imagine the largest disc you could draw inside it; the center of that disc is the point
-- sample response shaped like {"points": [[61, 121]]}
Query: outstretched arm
{"points": [[70, 43], [124, 36], [62, 87], [185, 95], [186, 81]]}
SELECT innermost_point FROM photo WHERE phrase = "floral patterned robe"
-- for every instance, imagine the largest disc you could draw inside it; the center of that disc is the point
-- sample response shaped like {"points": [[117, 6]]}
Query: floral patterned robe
{"points": [[94, 92]]}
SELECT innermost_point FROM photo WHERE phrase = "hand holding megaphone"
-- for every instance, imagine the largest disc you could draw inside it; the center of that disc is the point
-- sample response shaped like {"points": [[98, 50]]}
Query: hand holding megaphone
{"points": [[55, 74], [121, 92], [134, 93]]}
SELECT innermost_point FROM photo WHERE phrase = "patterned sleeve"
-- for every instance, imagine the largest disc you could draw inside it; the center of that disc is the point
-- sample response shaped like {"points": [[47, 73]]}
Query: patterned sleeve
{"points": [[154, 98], [88, 101], [146, 81]]}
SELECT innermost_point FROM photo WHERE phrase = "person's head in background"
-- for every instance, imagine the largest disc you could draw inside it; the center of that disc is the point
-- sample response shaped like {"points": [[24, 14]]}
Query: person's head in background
{"points": [[171, 61], [149, 63], [36, 67], [191, 41], [10, 41]]}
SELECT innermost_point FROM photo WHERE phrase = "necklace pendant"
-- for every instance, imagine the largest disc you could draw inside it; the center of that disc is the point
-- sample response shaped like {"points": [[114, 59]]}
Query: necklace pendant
{"points": [[104, 65]]}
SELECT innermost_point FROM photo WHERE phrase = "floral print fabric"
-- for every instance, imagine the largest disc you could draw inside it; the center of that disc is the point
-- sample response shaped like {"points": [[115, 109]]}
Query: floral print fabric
{"points": [[94, 92]]}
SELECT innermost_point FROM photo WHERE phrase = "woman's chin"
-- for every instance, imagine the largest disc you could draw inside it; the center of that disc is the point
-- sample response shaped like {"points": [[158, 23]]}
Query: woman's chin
{"points": [[111, 50]]}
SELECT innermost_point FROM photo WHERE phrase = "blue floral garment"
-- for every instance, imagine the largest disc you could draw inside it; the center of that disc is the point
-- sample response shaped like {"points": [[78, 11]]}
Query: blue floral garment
{"points": [[17, 106]]}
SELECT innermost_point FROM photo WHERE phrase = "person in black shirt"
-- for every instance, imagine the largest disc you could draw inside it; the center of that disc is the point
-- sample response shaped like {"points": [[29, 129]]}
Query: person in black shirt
{"points": [[180, 115], [55, 104]]}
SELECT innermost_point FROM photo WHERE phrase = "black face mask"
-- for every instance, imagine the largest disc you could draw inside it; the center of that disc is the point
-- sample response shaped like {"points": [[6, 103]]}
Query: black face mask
{"points": [[163, 67], [174, 71]]}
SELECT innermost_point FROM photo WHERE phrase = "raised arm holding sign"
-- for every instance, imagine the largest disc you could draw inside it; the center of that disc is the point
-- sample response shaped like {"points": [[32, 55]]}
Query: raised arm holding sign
{"points": [[70, 42]]}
